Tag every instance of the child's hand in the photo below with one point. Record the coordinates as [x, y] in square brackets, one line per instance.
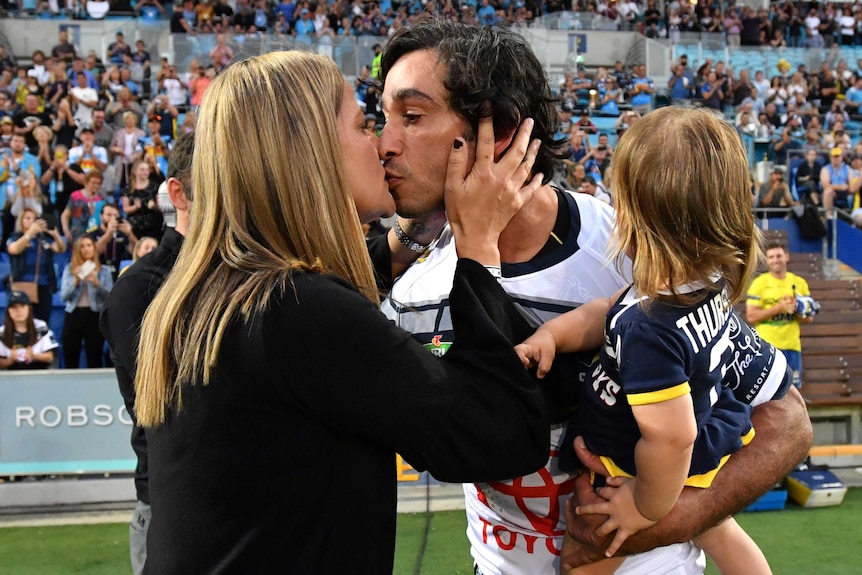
[624, 517]
[538, 350]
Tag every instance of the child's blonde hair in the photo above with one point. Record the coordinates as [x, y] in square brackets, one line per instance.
[683, 200]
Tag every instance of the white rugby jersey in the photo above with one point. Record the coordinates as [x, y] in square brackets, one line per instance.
[45, 339]
[516, 527]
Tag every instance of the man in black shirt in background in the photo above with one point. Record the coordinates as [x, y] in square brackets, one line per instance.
[121, 321]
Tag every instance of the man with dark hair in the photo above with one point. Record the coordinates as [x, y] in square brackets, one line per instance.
[121, 320]
[439, 78]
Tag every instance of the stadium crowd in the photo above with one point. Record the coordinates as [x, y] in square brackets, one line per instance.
[86, 140]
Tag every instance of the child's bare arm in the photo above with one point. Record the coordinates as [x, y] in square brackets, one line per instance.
[578, 330]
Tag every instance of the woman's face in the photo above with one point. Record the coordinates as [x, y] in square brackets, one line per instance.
[19, 312]
[88, 249]
[142, 172]
[362, 168]
[145, 246]
[130, 121]
[27, 219]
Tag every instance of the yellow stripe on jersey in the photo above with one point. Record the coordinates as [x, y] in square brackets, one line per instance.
[660, 395]
[703, 480]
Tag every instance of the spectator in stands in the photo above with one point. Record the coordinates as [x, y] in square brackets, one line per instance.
[139, 200]
[680, 86]
[829, 25]
[26, 342]
[585, 124]
[43, 152]
[103, 133]
[222, 12]
[64, 125]
[771, 307]
[27, 119]
[16, 161]
[115, 239]
[80, 213]
[59, 178]
[742, 87]
[597, 162]
[115, 114]
[125, 147]
[777, 94]
[813, 39]
[712, 94]
[624, 79]
[836, 114]
[808, 177]
[853, 99]
[754, 103]
[57, 86]
[774, 194]
[156, 146]
[564, 119]
[64, 50]
[795, 26]
[175, 89]
[88, 155]
[593, 187]
[84, 100]
[609, 95]
[167, 113]
[84, 289]
[34, 241]
[579, 144]
[782, 144]
[117, 48]
[39, 70]
[836, 184]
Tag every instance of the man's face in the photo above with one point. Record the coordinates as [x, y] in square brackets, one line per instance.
[811, 155]
[419, 133]
[776, 260]
[836, 160]
[32, 104]
[98, 119]
[82, 80]
[109, 214]
[87, 139]
[17, 144]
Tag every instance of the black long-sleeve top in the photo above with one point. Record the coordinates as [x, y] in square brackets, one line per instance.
[285, 462]
[120, 323]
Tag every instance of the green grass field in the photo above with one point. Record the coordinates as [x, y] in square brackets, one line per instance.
[826, 541]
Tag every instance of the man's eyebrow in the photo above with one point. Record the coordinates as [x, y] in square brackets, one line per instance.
[411, 93]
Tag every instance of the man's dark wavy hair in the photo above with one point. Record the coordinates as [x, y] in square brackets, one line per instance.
[490, 70]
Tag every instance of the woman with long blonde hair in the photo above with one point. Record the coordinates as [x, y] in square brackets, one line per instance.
[84, 289]
[265, 368]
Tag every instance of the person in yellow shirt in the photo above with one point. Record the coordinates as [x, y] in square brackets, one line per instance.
[771, 307]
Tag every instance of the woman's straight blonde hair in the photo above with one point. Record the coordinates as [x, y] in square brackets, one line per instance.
[683, 200]
[270, 200]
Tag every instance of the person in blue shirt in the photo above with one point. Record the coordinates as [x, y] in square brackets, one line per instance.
[608, 96]
[642, 89]
[679, 84]
[487, 14]
[853, 98]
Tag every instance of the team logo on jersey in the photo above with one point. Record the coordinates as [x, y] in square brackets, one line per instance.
[437, 346]
[539, 496]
